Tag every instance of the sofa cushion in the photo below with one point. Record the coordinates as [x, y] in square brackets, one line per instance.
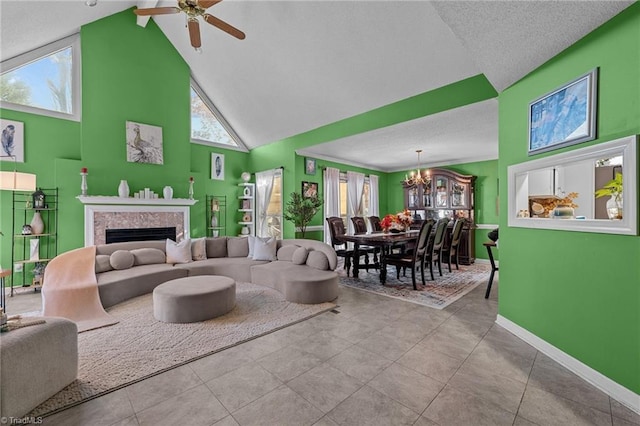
[285, 253]
[147, 256]
[117, 286]
[237, 247]
[198, 249]
[108, 249]
[178, 252]
[300, 255]
[216, 247]
[238, 268]
[264, 250]
[103, 264]
[121, 259]
[318, 260]
[252, 242]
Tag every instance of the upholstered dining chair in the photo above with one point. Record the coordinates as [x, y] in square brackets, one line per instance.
[416, 258]
[451, 251]
[434, 246]
[336, 228]
[360, 227]
[374, 221]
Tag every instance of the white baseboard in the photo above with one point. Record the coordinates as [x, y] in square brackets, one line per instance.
[616, 391]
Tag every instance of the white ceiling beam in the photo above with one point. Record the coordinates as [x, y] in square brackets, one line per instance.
[145, 4]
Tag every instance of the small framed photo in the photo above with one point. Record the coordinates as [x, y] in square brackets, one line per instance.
[309, 189]
[565, 116]
[12, 140]
[217, 166]
[310, 166]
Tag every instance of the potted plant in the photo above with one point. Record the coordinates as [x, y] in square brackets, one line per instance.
[300, 210]
[613, 188]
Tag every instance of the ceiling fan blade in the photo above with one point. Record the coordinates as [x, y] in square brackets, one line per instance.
[224, 26]
[156, 11]
[205, 4]
[194, 32]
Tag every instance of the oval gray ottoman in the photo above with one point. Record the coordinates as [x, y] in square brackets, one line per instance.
[194, 299]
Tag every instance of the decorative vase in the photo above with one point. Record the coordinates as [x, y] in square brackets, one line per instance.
[167, 192]
[214, 220]
[245, 230]
[191, 189]
[246, 176]
[614, 207]
[123, 189]
[563, 211]
[37, 224]
[83, 182]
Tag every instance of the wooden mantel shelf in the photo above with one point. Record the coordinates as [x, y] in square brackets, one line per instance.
[104, 199]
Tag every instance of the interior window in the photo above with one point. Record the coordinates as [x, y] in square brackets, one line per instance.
[208, 127]
[45, 81]
[274, 211]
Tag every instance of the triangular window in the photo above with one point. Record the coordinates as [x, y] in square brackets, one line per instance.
[207, 125]
[44, 81]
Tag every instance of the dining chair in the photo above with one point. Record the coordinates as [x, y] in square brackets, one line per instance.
[374, 221]
[336, 228]
[434, 246]
[360, 227]
[451, 251]
[414, 259]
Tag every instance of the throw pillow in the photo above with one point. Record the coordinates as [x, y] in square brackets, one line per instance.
[217, 247]
[199, 249]
[264, 250]
[121, 259]
[102, 263]
[237, 247]
[318, 260]
[285, 253]
[300, 256]
[178, 252]
[252, 239]
[148, 256]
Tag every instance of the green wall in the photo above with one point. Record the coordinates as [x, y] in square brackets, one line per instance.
[578, 291]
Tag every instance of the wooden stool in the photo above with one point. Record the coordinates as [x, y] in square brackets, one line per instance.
[494, 268]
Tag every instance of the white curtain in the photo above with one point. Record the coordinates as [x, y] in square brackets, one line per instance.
[374, 196]
[331, 198]
[355, 187]
[264, 187]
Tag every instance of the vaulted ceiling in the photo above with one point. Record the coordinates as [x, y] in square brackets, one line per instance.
[306, 64]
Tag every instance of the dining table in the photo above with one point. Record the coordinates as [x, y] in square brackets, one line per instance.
[382, 240]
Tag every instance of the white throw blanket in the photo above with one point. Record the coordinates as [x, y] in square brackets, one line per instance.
[70, 290]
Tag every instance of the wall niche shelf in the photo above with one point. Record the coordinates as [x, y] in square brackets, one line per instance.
[518, 188]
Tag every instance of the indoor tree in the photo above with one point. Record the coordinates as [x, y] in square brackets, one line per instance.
[300, 210]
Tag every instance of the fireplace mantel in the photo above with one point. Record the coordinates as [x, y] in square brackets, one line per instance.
[105, 199]
[105, 212]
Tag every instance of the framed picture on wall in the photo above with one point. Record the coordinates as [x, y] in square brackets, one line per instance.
[310, 166]
[565, 116]
[12, 141]
[144, 143]
[309, 189]
[217, 166]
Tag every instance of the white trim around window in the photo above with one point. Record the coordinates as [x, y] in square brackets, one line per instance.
[72, 41]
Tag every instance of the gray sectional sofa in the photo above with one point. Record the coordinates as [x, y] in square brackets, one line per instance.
[302, 275]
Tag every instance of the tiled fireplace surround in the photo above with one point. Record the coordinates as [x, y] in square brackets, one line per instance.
[100, 217]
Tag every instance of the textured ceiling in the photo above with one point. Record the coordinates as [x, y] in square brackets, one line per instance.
[305, 64]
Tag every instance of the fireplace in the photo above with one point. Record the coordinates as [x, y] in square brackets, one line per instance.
[140, 234]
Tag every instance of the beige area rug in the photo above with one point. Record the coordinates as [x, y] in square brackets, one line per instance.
[139, 346]
[438, 294]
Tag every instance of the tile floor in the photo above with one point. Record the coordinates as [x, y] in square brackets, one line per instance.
[379, 361]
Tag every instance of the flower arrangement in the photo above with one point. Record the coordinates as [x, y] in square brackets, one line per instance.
[399, 221]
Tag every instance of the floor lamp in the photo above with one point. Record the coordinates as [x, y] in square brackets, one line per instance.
[13, 181]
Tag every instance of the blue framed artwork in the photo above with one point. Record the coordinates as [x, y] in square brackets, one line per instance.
[564, 117]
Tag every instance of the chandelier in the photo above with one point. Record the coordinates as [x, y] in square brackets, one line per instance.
[417, 177]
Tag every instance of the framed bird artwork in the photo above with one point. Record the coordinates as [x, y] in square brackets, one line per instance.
[12, 141]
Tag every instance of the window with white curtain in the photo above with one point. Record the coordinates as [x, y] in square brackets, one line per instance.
[364, 204]
[272, 226]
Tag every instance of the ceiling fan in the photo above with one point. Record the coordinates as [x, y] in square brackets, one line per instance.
[193, 9]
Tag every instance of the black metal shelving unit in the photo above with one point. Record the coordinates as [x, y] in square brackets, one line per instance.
[22, 260]
[221, 214]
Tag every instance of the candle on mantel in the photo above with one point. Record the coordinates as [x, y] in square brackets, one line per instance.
[83, 170]
[83, 182]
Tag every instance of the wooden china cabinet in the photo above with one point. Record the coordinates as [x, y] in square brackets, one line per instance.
[445, 194]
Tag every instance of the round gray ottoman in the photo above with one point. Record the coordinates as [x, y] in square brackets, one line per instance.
[193, 299]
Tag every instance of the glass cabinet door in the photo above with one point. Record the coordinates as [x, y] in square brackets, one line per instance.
[413, 197]
[426, 196]
[442, 186]
[458, 195]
